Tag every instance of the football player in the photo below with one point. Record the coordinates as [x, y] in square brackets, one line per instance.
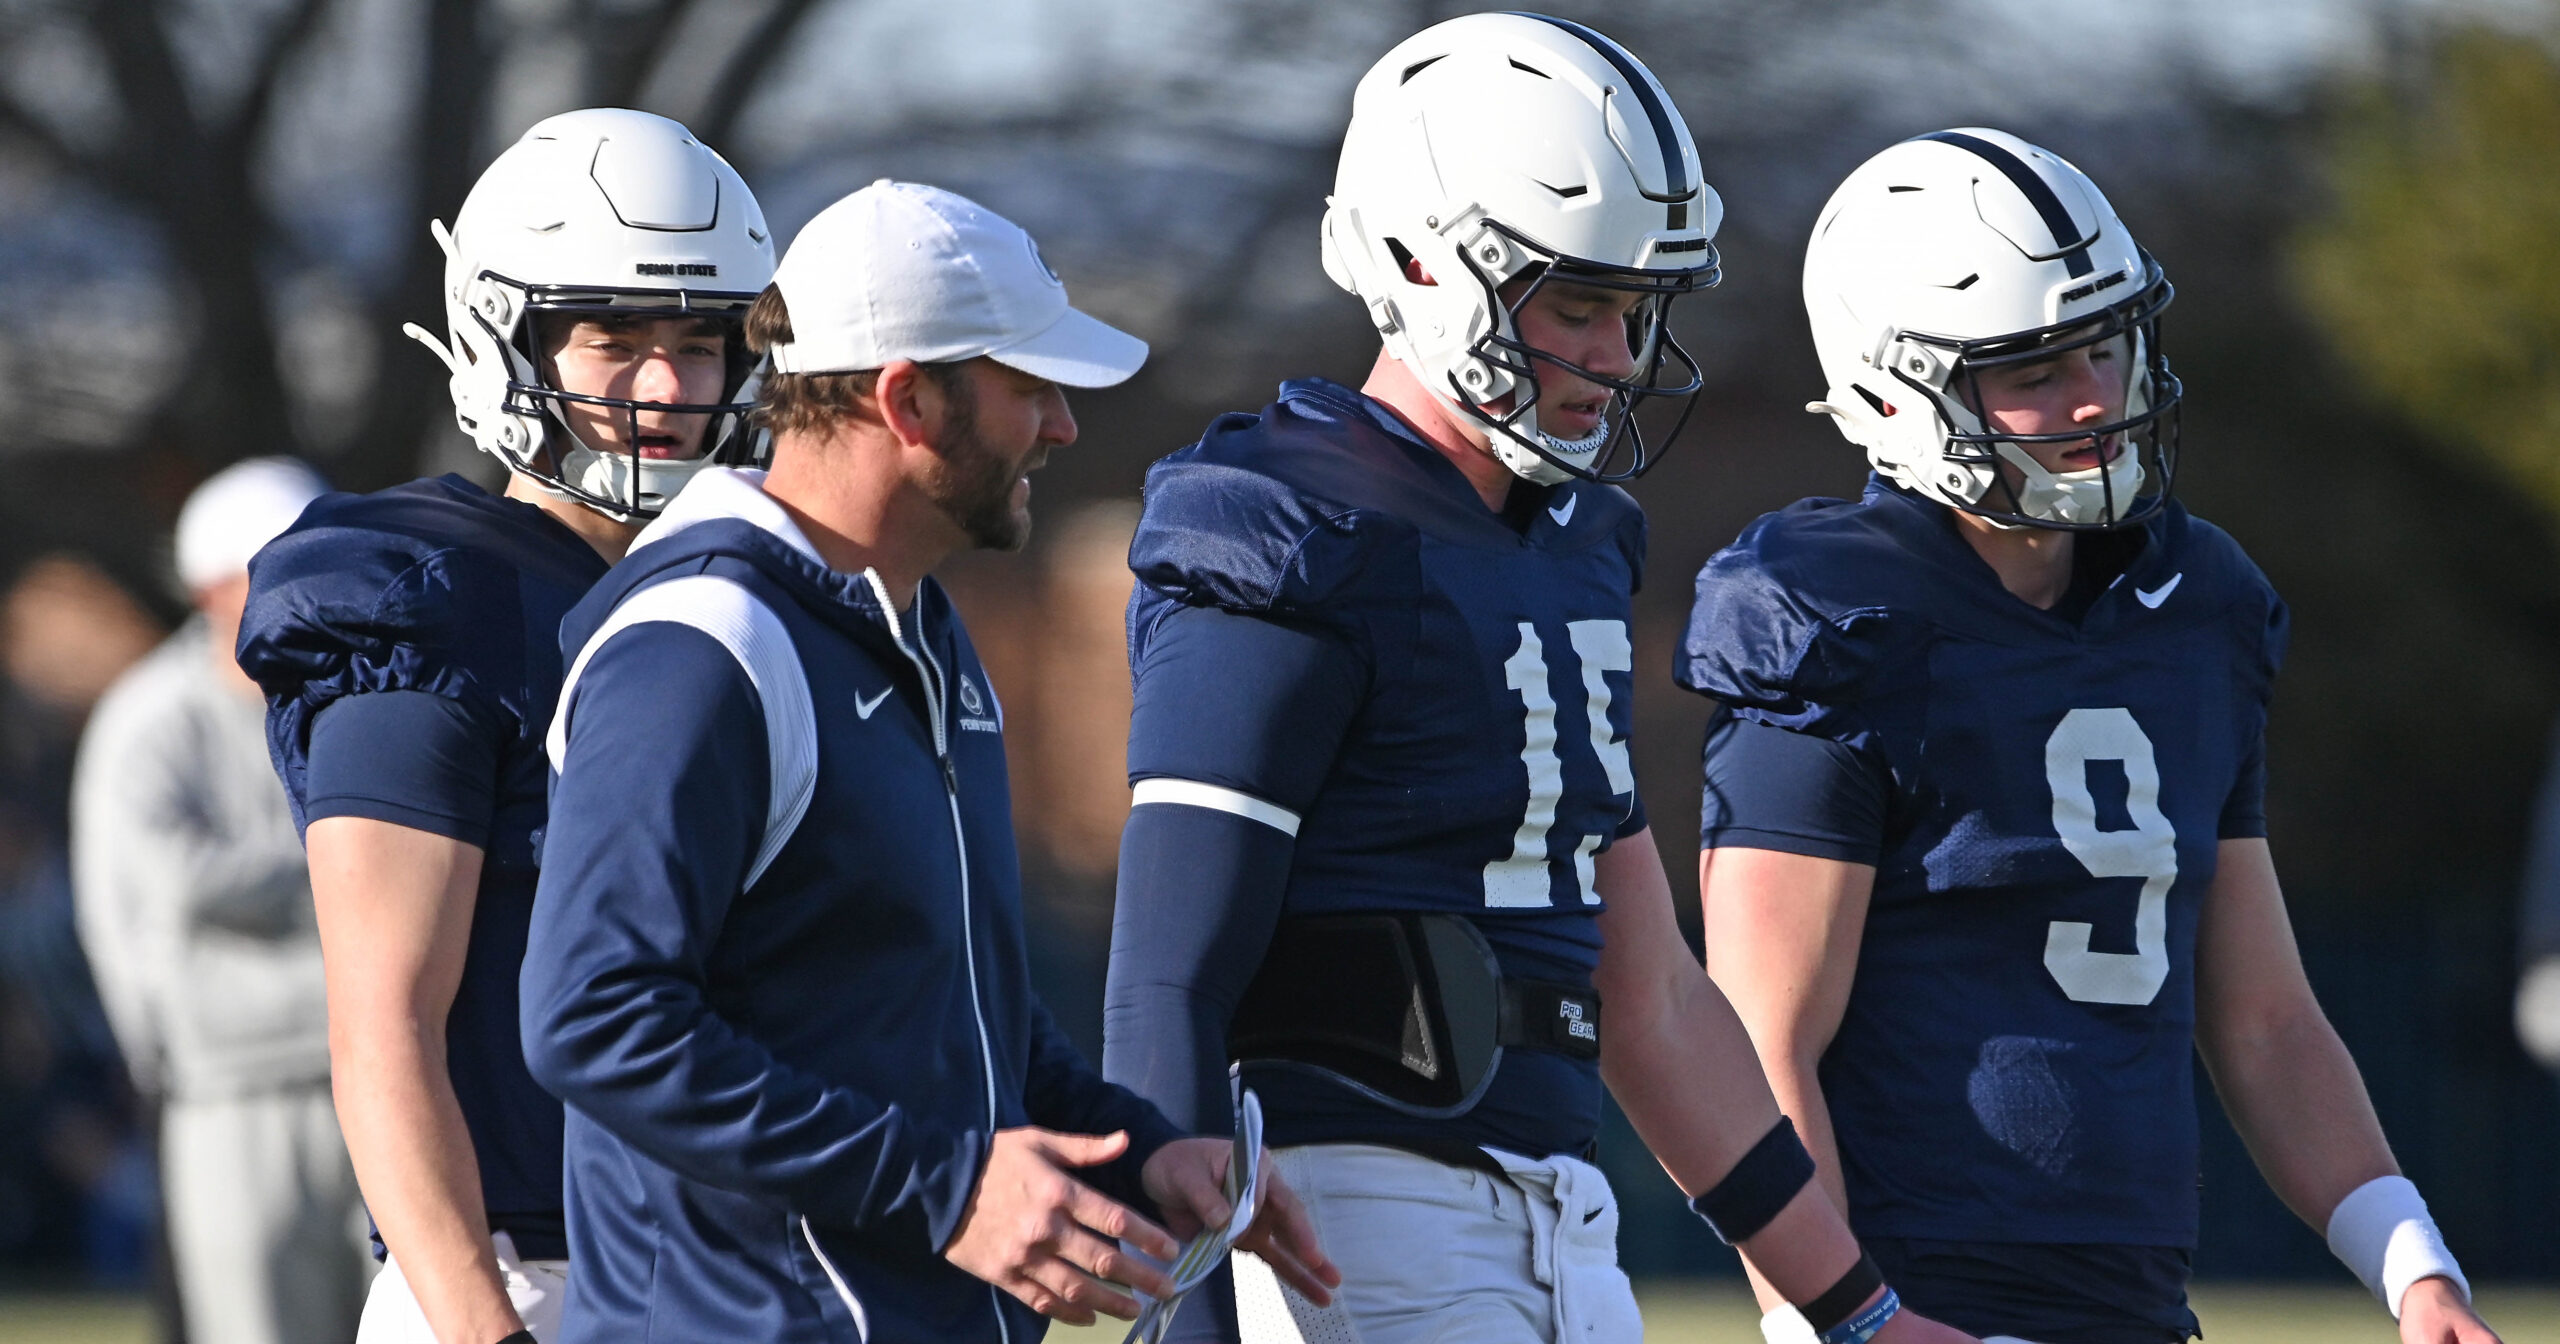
[1985, 856]
[408, 643]
[1386, 850]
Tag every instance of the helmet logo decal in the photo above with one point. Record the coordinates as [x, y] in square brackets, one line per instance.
[2038, 193]
[2078, 292]
[676, 268]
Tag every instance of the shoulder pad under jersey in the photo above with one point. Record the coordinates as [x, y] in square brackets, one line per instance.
[1233, 521]
[1801, 608]
[411, 588]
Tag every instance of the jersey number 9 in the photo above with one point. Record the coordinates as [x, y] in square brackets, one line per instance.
[2149, 851]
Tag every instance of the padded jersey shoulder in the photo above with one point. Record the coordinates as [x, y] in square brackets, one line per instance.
[1231, 522]
[1318, 500]
[420, 587]
[1809, 603]
[2228, 586]
[1817, 602]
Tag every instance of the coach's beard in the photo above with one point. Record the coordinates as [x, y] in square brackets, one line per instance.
[973, 484]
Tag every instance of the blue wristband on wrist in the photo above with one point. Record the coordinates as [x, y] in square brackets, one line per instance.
[1862, 1327]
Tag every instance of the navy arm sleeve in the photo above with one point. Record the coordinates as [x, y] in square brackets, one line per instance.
[1244, 703]
[656, 816]
[1241, 703]
[411, 758]
[1773, 788]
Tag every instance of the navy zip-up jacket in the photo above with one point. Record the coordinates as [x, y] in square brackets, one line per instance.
[777, 968]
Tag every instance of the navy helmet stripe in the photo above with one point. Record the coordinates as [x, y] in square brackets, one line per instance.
[1666, 124]
[2038, 193]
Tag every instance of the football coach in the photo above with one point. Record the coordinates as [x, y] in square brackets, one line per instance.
[776, 969]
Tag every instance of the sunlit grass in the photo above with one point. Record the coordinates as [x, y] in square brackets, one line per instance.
[1715, 1313]
[1712, 1313]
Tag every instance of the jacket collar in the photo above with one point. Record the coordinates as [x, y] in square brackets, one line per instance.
[717, 493]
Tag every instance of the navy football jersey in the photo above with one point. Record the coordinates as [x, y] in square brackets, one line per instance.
[1463, 750]
[437, 591]
[2015, 1061]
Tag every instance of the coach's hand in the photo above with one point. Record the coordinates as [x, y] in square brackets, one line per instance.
[2433, 1311]
[1037, 1232]
[1187, 1180]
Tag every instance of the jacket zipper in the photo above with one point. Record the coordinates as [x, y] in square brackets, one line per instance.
[930, 673]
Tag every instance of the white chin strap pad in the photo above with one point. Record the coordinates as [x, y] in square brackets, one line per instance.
[2075, 496]
[1537, 470]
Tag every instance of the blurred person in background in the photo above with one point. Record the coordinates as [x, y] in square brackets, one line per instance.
[77, 1188]
[1984, 852]
[2538, 934]
[195, 910]
[408, 643]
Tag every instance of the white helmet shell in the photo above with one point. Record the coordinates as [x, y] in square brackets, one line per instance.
[1952, 251]
[1491, 144]
[599, 209]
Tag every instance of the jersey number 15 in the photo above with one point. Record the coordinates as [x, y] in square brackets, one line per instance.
[1520, 879]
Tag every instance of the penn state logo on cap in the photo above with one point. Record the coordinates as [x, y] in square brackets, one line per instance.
[1042, 262]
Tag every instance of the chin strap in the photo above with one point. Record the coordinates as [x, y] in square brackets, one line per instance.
[434, 346]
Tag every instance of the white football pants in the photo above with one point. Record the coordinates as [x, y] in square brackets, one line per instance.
[1432, 1253]
[265, 1231]
[536, 1287]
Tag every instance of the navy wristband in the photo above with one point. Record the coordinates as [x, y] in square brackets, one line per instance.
[1862, 1327]
[1841, 1300]
[1758, 1187]
[520, 1337]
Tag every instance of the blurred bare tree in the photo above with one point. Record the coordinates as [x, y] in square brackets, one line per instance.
[186, 113]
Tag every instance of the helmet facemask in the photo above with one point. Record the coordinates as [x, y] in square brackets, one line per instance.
[621, 483]
[2121, 491]
[1501, 365]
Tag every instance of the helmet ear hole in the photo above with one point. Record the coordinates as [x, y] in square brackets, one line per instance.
[1882, 406]
[1408, 265]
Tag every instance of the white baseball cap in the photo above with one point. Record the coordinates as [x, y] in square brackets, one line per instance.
[899, 270]
[238, 510]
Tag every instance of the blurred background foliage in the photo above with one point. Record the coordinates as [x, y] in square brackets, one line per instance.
[213, 220]
[2438, 265]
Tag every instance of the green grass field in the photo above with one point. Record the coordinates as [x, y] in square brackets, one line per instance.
[1714, 1314]
[2232, 1313]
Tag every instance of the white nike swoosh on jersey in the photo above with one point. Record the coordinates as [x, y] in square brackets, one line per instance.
[2153, 597]
[864, 707]
[1565, 514]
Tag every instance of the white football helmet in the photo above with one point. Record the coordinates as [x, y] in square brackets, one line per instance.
[603, 210]
[1964, 250]
[1500, 146]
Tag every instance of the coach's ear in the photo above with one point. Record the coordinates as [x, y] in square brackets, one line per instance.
[909, 403]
